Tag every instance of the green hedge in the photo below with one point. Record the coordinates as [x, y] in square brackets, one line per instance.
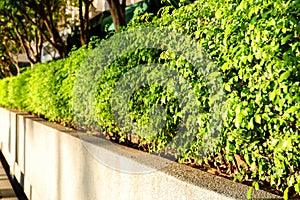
[47, 89]
[256, 47]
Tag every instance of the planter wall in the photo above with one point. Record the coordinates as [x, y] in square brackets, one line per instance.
[52, 162]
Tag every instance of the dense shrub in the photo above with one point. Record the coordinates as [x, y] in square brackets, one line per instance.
[256, 47]
[256, 44]
[47, 89]
[4, 92]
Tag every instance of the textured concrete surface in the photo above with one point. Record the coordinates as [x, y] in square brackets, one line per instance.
[52, 162]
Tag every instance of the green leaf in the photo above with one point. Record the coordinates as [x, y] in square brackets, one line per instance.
[273, 95]
[297, 187]
[219, 14]
[227, 87]
[286, 194]
[257, 119]
[255, 185]
[249, 193]
[292, 109]
[238, 120]
[251, 124]
[285, 39]
[266, 117]
[284, 76]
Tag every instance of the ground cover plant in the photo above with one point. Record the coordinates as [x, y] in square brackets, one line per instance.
[256, 47]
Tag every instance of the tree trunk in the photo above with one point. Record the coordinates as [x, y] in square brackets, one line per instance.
[84, 20]
[82, 38]
[56, 40]
[118, 14]
[44, 11]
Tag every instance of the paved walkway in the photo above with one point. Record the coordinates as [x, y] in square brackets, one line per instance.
[6, 189]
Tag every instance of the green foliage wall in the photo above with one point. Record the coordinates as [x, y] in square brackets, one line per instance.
[256, 47]
[46, 90]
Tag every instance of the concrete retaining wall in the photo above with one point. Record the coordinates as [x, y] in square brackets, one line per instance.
[52, 162]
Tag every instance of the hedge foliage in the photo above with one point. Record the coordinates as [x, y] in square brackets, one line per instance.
[256, 46]
[46, 90]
